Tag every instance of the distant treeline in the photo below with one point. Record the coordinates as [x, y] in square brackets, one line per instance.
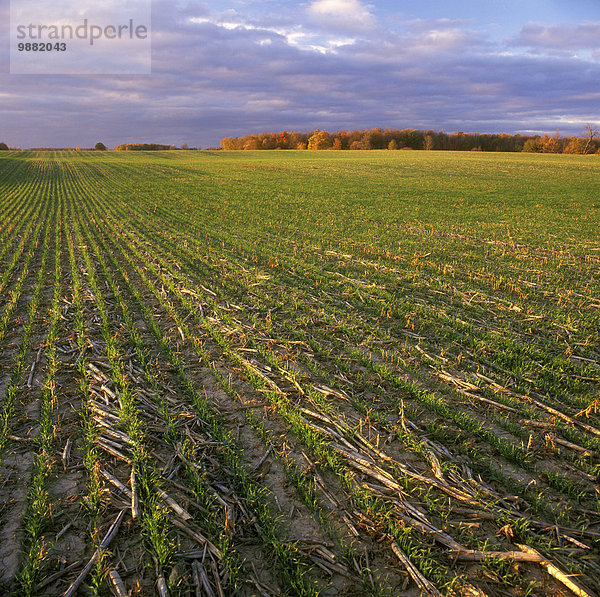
[143, 147]
[4, 146]
[102, 147]
[416, 139]
[587, 143]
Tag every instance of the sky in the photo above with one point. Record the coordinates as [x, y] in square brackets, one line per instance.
[234, 67]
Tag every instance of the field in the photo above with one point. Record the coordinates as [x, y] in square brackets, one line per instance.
[299, 373]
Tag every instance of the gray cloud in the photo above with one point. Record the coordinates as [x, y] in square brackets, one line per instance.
[224, 73]
[564, 36]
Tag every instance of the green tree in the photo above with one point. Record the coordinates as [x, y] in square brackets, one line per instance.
[100, 147]
[532, 145]
[3, 147]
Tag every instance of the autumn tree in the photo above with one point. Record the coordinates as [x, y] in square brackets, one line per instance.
[284, 140]
[319, 140]
[228, 143]
[268, 141]
[551, 144]
[297, 140]
[251, 144]
[413, 139]
[577, 145]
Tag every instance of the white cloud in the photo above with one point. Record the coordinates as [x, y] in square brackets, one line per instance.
[294, 36]
[442, 40]
[350, 16]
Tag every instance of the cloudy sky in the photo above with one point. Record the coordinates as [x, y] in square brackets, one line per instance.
[232, 67]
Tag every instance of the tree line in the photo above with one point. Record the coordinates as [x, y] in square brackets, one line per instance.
[143, 147]
[394, 139]
[102, 147]
[377, 138]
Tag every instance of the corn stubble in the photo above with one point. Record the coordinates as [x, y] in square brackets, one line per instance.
[298, 373]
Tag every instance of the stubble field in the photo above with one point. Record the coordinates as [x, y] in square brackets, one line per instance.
[299, 373]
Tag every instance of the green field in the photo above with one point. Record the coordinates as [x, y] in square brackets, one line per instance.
[299, 373]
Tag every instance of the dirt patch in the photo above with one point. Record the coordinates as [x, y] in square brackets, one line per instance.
[15, 472]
